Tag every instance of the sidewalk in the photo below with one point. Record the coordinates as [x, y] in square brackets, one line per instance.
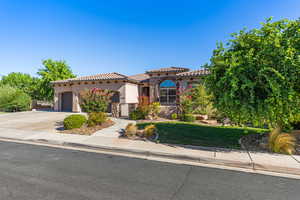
[233, 158]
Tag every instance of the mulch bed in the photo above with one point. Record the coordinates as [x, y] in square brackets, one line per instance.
[259, 142]
[140, 136]
[89, 130]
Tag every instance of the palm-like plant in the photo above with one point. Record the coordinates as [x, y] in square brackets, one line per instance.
[282, 142]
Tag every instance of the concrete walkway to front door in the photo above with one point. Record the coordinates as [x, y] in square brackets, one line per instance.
[114, 131]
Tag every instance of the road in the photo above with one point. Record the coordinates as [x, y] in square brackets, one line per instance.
[30, 172]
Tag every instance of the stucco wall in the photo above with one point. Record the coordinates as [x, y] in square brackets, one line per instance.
[128, 93]
[131, 93]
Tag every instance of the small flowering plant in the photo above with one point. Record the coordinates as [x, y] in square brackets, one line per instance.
[95, 100]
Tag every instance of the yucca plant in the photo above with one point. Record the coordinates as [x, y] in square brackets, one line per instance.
[130, 130]
[282, 142]
[150, 130]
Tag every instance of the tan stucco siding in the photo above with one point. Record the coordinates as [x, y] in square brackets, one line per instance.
[128, 93]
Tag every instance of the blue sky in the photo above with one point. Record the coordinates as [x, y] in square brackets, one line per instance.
[129, 37]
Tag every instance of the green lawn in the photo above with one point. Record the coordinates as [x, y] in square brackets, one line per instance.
[195, 134]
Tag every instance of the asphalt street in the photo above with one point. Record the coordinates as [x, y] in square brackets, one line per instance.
[30, 172]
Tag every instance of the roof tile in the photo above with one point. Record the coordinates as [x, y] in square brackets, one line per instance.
[107, 76]
[169, 69]
[199, 72]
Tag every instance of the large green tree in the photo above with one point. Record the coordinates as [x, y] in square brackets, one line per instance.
[256, 76]
[13, 99]
[52, 71]
[24, 82]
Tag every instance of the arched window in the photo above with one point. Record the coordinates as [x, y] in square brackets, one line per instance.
[167, 91]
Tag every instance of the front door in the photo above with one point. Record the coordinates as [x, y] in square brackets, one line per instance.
[67, 102]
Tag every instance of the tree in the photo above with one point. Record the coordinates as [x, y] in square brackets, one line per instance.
[24, 82]
[53, 71]
[13, 99]
[195, 100]
[95, 100]
[256, 76]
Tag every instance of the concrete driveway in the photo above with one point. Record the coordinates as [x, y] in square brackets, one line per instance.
[41, 121]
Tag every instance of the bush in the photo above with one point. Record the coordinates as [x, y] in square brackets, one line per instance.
[282, 142]
[174, 116]
[130, 130]
[139, 113]
[96, 118]
[150, 130]
[296, 125]
[74, 121]
[154, 109]
[95, 100]
[296, 122]
[13, 100]
[188, 118]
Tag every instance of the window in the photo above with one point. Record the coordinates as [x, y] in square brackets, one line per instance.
[167, 92]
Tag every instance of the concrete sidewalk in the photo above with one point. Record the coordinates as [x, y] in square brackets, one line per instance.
[233, 158]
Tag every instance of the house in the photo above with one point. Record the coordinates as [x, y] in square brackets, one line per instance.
[160, 85]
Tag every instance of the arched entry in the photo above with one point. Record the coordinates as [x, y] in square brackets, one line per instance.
[67, 101]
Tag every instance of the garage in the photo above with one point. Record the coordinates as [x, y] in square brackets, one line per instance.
[67, 92]
[67, 101]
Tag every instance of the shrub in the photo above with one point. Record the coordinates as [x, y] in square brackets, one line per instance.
[296, 123]
[282, 142]
[188, 118]
[154, 109]
[174, 116]
[96, 118]
[139, 113]
[13, 100]
[130, 130]
[150, 130]
[195, 100]
[74, 121]
[95, 100]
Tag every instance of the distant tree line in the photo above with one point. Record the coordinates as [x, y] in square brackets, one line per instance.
[39, 88]
[17, 90]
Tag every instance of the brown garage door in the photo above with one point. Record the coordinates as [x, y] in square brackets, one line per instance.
[67, 101]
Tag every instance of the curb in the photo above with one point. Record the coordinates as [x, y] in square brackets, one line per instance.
[204, 160]
[198, 159]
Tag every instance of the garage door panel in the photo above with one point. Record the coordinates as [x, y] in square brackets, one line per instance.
[67, 102]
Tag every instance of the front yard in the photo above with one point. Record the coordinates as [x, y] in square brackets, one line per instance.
[200, 135]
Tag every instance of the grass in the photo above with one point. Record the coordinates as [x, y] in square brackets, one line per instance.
[199, 135]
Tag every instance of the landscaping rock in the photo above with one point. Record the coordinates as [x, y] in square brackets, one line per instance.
[255, 142]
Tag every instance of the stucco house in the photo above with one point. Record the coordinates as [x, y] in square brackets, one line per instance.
[160, 85]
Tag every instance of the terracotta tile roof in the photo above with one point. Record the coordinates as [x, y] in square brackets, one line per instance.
[199, 72]
[140, 77]
[107, 76]
[169, 69]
